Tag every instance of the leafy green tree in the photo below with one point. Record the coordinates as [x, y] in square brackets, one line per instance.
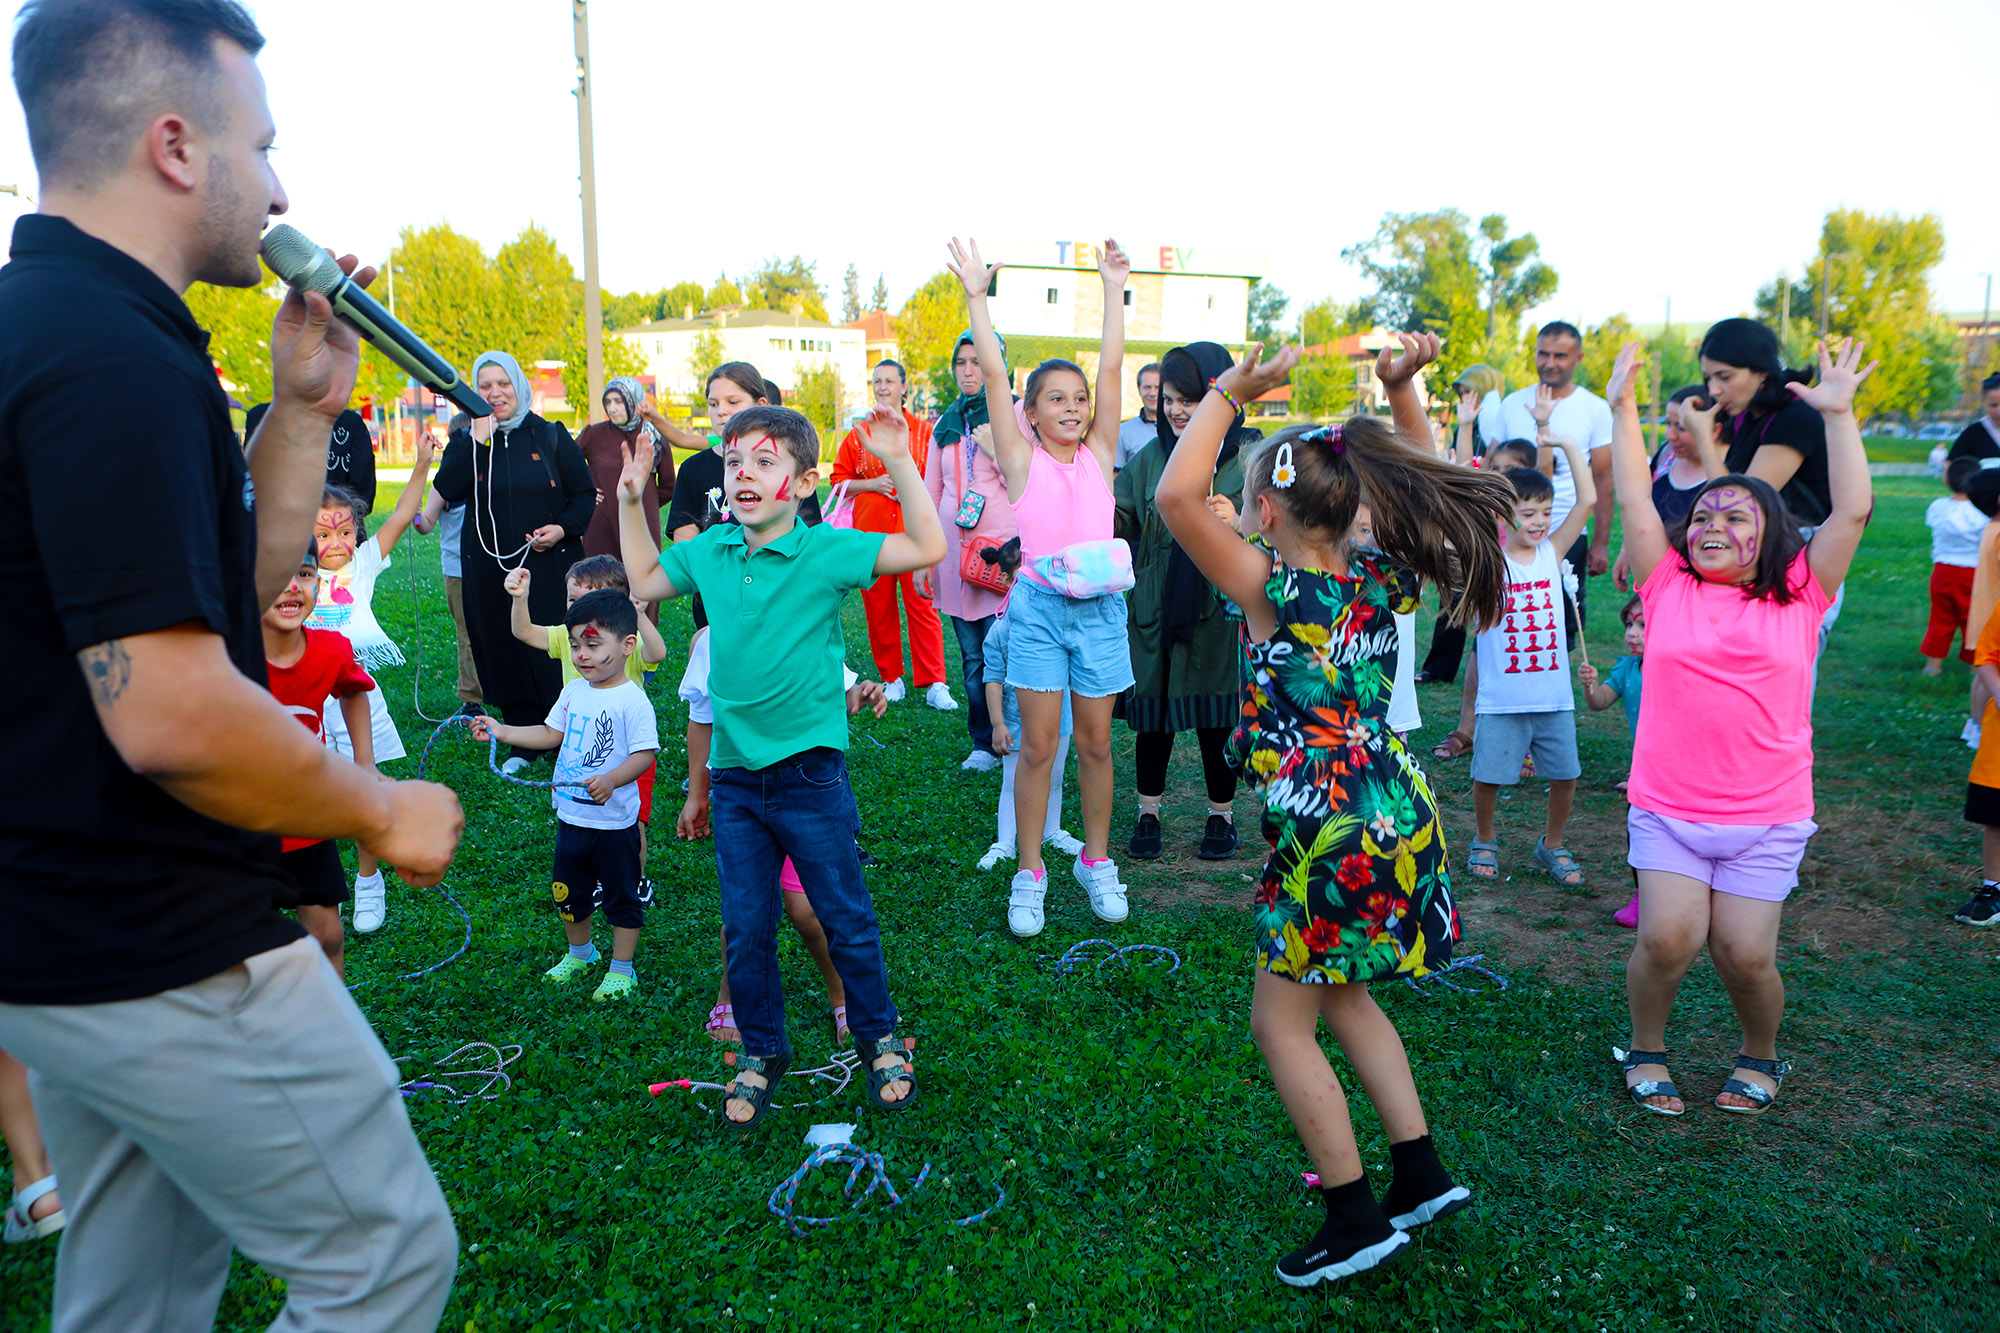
[1327, 319]
[787, 285]
[1323, 388]
[1267, 308]
[926, 331]
[238, 321]
[850, 295]
[449, 291]
[879, 299]
[537, 280]
[1600, 348]
[723, 293]
[704, 357]
[817, 395]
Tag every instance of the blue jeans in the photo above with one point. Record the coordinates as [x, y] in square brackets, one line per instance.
[799, 807]
[972, 657]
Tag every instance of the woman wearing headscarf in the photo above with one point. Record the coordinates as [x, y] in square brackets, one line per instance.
[629, 418]
[1184, 648]
[528, 499]
[971, 500]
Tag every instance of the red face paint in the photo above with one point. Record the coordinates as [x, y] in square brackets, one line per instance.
[590, 634]
[785, 488]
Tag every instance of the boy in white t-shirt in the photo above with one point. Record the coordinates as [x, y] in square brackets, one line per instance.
[608, 736]
[1525, 702]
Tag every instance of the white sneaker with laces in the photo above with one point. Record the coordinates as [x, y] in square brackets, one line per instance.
[1024, 904]
[1107, 895]
[1065, 842]
[998, 852]
[981, 761]
[938, 696]
[371, 904]
[513, 766]
[894, 691]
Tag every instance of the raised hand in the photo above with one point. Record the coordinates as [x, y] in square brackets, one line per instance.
[426, 450]
[884, 433]
[1113, 264]
[1840, 376]
[1622, 390]
[516, 582]
[1253, 377]
[971, 270]
[1468, 403]
[635, 470]
[1543, 407]
[1419, 350]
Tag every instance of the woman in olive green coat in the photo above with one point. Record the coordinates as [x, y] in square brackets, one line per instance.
[1184, 647]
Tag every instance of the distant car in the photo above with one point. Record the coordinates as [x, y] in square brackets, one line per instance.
[1938, 430]
[1889, 430]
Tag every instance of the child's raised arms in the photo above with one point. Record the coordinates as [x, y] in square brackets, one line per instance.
[1114, 266]
[1831, 550]
[411, 502]
[1012, 453]
[1398, 375]
[1631, 475]
[637, 545]
[885, 434]
[1236, 568]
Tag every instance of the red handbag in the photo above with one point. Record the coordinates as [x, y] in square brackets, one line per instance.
[981, 573]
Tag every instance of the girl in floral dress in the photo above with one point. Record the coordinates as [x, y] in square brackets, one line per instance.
[1357, 885]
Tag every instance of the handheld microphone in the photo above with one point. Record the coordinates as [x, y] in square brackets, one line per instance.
[302, 264]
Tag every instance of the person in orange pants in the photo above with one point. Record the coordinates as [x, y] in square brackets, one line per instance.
[876, 510]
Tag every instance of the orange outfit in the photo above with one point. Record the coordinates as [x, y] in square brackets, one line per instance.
[884, 513]
[1986, 764]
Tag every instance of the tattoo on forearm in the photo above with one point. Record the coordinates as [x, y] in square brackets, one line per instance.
[108, 667]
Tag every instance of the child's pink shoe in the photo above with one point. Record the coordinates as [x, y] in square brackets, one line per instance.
[1628, 915]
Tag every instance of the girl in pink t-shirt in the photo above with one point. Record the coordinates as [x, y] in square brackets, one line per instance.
[1721, 811]
[1073, 638]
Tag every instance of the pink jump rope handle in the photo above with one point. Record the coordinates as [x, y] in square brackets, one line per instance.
[658, 1088]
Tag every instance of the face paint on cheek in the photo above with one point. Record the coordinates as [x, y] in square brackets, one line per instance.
[785, 488]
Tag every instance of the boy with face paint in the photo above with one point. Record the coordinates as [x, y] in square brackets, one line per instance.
[604, 725]
[773, 588]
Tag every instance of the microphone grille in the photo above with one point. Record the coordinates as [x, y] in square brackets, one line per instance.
[297, 260]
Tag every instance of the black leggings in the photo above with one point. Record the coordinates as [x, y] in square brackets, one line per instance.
[1156, 747]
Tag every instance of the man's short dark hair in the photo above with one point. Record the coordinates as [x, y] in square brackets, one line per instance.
[1152, 367]
[783, 426]
[1557, 328]
[607, 608]
[91, 74]
[901, 373]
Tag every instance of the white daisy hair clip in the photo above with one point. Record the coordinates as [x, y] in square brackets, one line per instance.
[1283, 473]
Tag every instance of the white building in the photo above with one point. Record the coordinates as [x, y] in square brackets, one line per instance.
[779, 344]
[1176, 294]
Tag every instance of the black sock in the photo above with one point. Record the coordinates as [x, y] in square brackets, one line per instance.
[1353, 1218]
[1417, 1175]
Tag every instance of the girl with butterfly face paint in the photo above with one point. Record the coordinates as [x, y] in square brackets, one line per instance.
[1733, 599]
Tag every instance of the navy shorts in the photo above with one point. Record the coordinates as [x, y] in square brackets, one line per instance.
[316, 871]
[598, 868]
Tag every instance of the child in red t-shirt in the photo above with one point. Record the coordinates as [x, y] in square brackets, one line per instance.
[306, 668]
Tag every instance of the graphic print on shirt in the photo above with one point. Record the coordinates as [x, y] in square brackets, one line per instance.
[335, 607]
[583, 753]
[1531, 627]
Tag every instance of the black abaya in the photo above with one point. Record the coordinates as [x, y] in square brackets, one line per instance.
[518, 482]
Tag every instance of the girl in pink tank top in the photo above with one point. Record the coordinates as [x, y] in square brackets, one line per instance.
[1058, 478]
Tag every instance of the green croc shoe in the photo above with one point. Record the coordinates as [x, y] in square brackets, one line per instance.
[567, 969]
[615, 986]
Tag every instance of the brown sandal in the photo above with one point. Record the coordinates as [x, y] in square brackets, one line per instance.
[1456, 745]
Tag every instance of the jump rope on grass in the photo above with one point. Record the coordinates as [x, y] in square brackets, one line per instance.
[784, 1199]
[439, 1086]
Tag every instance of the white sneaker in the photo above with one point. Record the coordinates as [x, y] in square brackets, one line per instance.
[1970, 735]
[894, 691]
[371, 904]
[1024, 904]
[513, 766]
[1065, 842]
[938, 696]
[998, 852]
[981, 761]
[1107, 895]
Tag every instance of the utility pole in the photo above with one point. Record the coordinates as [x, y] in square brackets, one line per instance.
[1784, 310]
[1659, 370]
[593, 299]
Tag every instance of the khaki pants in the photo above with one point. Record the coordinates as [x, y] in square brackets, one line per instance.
[468, 674]
[255, 1109]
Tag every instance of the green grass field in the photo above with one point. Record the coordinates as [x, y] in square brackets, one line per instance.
[1152, 1179]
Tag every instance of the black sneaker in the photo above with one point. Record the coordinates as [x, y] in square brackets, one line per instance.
[866, 857]
[1328, 1258]
[1145, 842]
[1218, 841]
[1982, 910]
[471, 710]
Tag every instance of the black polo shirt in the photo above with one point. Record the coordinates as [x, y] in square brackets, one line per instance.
[125, 508]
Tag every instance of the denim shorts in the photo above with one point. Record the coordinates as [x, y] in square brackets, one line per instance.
[1056, 643]
[1500, 741]
[1758, 861]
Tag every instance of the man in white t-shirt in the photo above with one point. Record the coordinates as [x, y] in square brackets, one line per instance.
[1141, 430]
[1580, 415]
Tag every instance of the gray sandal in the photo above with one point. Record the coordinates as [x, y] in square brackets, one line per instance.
[1484, 860]
[1559, 863]
[1777, 1069]
[1649, 1087]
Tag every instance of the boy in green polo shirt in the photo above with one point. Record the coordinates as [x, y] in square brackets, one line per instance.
[773, 589]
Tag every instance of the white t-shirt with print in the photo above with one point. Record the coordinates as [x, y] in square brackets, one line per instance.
[601, 729]
[346, 603]
[1582, 416]
[1523, 660]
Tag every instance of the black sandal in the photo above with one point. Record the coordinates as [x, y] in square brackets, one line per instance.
[1776, 1069]
[1649, 1087]
[773, 1070]
[878, 1079]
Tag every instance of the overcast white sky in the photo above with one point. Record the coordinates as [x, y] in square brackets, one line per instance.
[1685, 150]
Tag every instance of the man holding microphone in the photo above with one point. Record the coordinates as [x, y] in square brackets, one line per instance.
[202, 1078]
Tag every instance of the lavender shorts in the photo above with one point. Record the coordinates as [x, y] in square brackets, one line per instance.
[1758, 861]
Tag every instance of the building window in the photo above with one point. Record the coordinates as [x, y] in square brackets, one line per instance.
[1052, 296]
[1211, 303]
[1128, 296]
